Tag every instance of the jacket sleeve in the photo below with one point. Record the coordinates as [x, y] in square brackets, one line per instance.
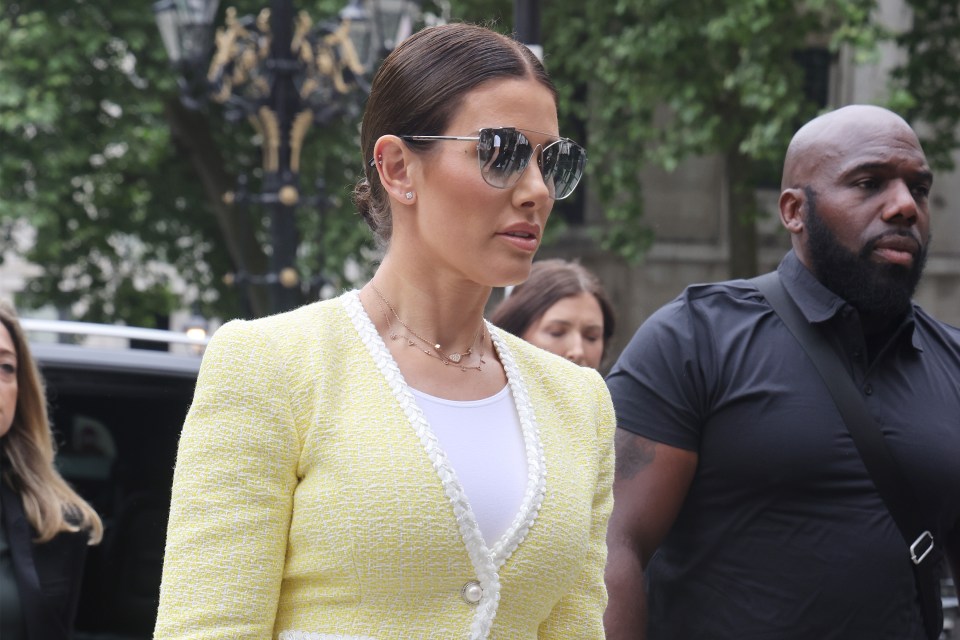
[579, 614]
[232, 494]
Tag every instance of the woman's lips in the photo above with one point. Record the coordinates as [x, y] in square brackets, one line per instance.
[526, 242]
[523, 235]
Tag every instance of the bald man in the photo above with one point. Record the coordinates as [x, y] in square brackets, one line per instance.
[742, 508]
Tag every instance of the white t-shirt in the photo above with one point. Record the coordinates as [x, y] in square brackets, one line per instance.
[483, 441]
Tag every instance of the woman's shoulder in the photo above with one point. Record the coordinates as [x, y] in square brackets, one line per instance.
[315, 335]
[313, 320]
[566, 398]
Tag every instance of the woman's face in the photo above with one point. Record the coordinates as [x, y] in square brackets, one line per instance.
[462, 227]
[572, 328]
[8, 380]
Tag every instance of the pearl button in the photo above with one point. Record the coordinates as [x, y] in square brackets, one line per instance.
[471, 592]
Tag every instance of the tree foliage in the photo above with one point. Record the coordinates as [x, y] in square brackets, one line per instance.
[84, 159]
[928, 79]
[123, 186]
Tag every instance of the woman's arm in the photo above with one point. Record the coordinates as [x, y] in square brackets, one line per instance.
[232, 494]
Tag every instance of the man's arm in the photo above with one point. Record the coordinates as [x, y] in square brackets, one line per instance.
[650, 484]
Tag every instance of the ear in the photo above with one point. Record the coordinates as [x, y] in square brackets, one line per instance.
[394, 162]
[791, 209]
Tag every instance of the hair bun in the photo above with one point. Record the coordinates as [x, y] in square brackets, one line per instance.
[363, 201]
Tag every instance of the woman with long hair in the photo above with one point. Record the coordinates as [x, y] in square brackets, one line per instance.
[45, 526]
[387, 464]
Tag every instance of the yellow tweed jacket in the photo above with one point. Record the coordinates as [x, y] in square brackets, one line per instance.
[311, 500]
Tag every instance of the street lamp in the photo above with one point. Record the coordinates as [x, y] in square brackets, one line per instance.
[186, 27]
[283, 73]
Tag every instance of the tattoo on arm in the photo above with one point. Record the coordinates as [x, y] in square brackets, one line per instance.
[634, 453]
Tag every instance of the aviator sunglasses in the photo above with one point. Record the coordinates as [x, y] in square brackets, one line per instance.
[504, 153]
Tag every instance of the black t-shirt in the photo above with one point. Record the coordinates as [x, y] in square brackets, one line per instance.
[782, 534]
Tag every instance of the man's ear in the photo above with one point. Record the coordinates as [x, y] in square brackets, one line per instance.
[393, 162]
[791, 209]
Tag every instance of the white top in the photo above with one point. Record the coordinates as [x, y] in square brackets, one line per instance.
[484, 443]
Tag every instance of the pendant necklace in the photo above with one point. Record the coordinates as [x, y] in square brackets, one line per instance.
[434, 349]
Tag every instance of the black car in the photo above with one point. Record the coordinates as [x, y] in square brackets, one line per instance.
[117, 415]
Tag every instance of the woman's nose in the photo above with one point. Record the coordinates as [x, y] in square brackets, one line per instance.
[574, 351]
[531, 187]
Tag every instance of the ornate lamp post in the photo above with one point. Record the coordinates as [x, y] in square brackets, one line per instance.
[283, 73]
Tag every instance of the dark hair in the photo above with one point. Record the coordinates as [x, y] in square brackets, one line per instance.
[550, 281]
[420, 86]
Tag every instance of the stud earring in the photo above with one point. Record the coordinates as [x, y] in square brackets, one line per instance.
[408, 195]
[380, 159]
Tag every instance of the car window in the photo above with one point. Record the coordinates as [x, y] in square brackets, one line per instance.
[117, 434]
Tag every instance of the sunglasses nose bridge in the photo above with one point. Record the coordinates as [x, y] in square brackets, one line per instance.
[524, 162]
[531, 158]
[537, 153]
[545, 172]
[544, 179]
[539, 156]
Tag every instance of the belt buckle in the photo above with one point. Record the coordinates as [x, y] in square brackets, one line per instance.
[925, 537]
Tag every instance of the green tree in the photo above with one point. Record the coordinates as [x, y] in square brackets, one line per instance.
[124, 187]
[927, 80]
[85, 158]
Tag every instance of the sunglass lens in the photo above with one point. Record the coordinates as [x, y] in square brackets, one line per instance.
[562, 166]
[503, 154]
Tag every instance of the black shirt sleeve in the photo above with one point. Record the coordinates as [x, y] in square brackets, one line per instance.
[657, 383]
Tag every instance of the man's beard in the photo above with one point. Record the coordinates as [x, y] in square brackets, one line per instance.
[875, 289]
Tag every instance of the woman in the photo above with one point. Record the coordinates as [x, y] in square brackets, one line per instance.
[386, 464]
[45, 526]
[561, 308]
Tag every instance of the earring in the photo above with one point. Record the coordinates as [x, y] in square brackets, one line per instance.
[380, 159]
[408, 195]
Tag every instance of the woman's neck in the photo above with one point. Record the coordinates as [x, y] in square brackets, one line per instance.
[431, 311]
[441, 310]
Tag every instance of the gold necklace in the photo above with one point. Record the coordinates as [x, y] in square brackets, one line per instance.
[436, 351]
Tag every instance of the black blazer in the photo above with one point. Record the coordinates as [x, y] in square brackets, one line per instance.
[48, 575]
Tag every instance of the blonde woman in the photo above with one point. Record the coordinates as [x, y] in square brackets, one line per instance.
[45, 526]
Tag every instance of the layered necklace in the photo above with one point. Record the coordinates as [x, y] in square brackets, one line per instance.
[433, 349]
